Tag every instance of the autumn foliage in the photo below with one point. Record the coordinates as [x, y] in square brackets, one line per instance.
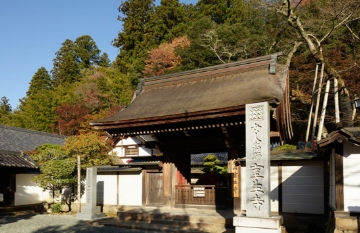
[70, 119]
[164, 57]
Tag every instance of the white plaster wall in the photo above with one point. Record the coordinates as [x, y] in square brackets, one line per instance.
[128, 141]
[243, 188]
[274, 183]
[130, 189]
[332, 195]
[274, 195]
[106, 189]
[143, 151]
[28, 192]
[303, 187]
[351, 166]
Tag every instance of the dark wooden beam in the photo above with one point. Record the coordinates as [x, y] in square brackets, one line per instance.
[339, 177]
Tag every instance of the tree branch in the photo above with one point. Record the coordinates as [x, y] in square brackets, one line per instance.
[291, 53]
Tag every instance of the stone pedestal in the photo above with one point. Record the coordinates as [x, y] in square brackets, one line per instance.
[90, 211]
[258, 224]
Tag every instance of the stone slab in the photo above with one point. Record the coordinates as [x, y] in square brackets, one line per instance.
[257, 230]
[90, 211]
[90, 216]
[258, 160]
[273, 222]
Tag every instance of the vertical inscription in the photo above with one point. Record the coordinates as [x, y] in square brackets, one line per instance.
[235, 181]
[88, 185]
[257, 160]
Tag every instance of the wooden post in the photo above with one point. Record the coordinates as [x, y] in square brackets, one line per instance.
[235, 190]
[339, 177]
[79, 183]
[167, 180]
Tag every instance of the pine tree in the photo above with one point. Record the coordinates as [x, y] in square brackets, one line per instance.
[65, 68]
[86, 52]
[137, 36]
[40, 82]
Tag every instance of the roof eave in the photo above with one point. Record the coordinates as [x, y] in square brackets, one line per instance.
[169, 119]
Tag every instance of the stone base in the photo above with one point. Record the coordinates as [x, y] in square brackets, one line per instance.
[271, 224]
[90, 213]
[346, 222]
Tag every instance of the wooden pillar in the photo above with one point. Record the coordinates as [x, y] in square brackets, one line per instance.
[234, 170]
[182, 162]
[339, 177]
[168, 170]
[280, 187]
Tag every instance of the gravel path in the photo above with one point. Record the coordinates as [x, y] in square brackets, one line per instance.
[43, 223]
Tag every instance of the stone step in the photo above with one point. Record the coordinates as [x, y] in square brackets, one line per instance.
[172, 220]
[180, 219]
[165, 226]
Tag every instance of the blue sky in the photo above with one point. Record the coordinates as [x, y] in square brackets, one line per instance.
[33, 31]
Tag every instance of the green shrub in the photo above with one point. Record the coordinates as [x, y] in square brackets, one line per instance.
[286, 147]
[56, 208]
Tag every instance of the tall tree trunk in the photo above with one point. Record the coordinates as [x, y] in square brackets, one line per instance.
[294, 21]
[79, 183]
[346, 110]
[312, 104]
[317, 102]
[336, 101]
[323, 110]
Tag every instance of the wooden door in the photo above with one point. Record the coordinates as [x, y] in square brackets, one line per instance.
[6, 189]
[155, 188]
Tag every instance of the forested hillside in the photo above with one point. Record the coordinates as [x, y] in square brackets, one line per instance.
[170, 37]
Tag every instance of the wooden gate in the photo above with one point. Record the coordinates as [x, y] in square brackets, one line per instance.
[155, 188]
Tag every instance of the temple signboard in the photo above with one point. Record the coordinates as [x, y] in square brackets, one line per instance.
[131, 151]
[258, 160]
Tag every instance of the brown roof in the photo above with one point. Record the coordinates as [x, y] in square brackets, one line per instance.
[350, 134]
[16, 159]
[206, 93]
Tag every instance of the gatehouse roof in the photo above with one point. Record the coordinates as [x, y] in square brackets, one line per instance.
[206, 93]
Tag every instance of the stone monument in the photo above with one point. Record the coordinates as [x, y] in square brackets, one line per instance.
[90, 211]
[258, 217]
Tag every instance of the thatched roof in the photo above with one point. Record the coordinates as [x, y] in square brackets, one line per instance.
[207, 93]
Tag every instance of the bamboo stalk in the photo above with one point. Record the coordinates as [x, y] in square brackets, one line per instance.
[317, 101]
[336, 101]
[323, 110]
[312, 103]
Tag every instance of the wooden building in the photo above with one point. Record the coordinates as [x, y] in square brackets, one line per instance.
[17, 168]
[202, 111]
[342, 150]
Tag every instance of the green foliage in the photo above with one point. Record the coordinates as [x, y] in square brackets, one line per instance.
[56, 208]
[65, 68]
[286, 147]
[104, 60]
[137, 35]
[213, 172]
[56, 167]
[86, 51]
[91, 147]
[41, 81]
[219, 31]
[35, 113]
[5, 110]
[48, 152]
[74, 56]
